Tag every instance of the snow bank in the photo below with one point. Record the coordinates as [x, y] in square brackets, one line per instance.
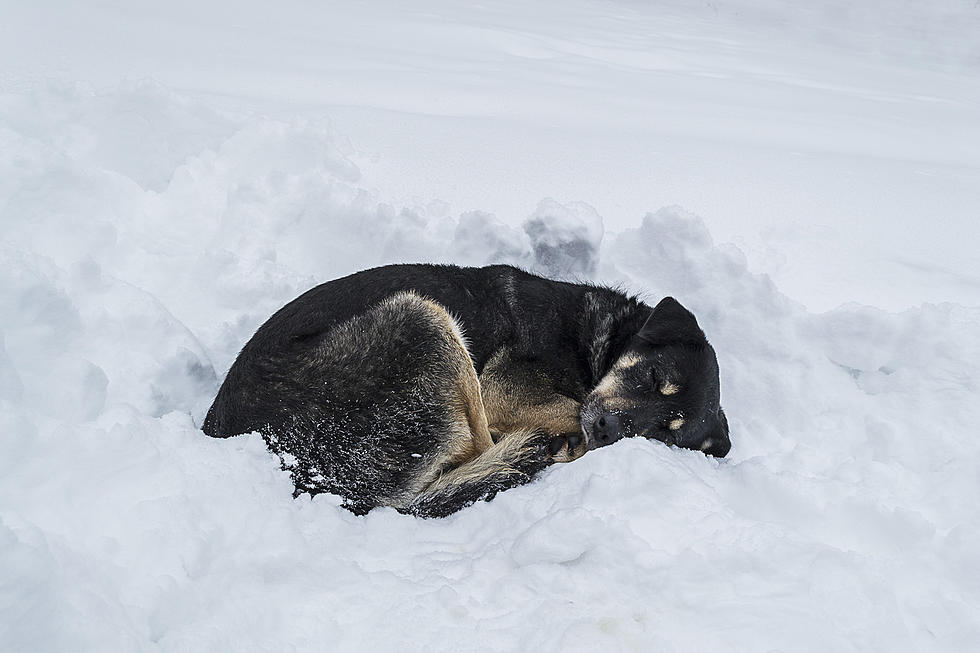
[145, 237]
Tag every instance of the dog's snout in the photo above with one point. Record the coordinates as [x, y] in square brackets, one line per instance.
[606, 429]
[716, 446]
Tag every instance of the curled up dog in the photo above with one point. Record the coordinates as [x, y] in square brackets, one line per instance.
[428, 387]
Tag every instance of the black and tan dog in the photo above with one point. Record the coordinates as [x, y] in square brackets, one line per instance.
[429, 387]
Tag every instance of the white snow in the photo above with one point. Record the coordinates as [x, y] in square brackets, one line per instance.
[806, 179]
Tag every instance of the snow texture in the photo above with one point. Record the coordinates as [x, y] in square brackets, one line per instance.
[148, 231]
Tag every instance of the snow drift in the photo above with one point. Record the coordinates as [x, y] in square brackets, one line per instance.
[146, 236]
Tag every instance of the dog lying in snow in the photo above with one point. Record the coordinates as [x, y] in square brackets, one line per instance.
[429, 387]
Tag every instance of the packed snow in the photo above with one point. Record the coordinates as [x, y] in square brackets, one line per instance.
[806, 180]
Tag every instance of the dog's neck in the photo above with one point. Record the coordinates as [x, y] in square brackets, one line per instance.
[610, 319]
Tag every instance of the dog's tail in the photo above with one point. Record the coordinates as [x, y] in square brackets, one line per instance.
[513, 460]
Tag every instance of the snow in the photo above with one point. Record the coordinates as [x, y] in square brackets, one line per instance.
[805, 179]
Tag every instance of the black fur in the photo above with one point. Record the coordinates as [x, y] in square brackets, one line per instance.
[359, 396]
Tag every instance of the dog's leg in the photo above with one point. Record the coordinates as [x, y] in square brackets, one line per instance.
[386, 410]
[472, 467]
[518, 397]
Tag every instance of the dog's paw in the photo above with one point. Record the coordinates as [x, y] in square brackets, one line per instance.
[566, 447]
[556, 444]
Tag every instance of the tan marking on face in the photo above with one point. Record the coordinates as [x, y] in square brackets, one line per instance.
[669, 388]
[627, 361]
[618, 403]
[611, 383]
[676, 424]
[707, 444]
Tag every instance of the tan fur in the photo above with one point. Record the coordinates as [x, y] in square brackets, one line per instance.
[517, 408]
[676, 424]
[668, 389]
[618, 403]
[492, 461]
[610, 388]
[469, 436]
[610, 384]
[464, 391]
[513, 403]
[468, 397]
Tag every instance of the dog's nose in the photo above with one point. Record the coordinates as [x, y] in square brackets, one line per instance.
[715, 446]
[606, 429]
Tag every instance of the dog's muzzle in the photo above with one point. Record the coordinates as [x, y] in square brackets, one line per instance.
[717, 444]
[606, 429]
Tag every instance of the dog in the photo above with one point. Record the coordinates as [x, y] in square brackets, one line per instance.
[429, 387]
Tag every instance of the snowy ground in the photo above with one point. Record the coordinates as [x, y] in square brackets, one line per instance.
[810, 180]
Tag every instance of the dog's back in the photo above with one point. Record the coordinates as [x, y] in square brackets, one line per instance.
[496, 306]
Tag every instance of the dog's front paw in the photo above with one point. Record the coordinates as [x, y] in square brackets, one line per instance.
[556, 444]
[566, 447]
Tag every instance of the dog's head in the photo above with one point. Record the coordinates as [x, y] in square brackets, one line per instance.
[664, 386]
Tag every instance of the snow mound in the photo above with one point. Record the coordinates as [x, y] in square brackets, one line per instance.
[146, 236]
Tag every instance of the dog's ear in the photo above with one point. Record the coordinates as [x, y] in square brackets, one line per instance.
[671, 323]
